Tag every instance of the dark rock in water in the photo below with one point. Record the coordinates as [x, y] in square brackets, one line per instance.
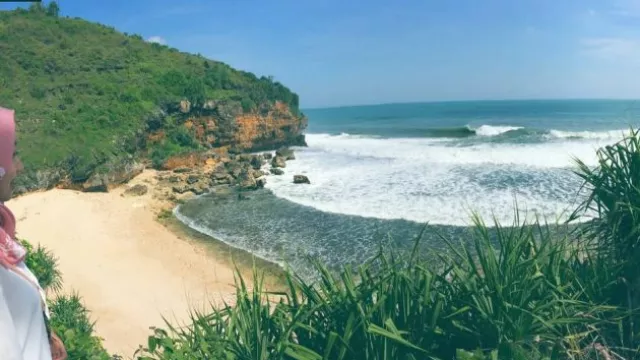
[267, 156]
[182, 170]
[277, 171]
[137, 190]
[192, 179]
[301, 179]
[278, 162]
[246, 181]
[257, 161]
[286, 153]
[260, 183]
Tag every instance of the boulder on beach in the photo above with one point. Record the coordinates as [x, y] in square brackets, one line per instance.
[301, 179]
[276, 171]
[279, 162]
[180, 188]
[260, 183]
[244, 158]
[193, 178]
[234, 168]
[267, 156]
[199, 188]
[182, 170]
[286, 153]
[257, 173]
[137, 190]
[219, 173]
[246, 181]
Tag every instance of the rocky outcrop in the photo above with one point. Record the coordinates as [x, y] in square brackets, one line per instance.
[242, 172]
[111, 176]
[276, 171]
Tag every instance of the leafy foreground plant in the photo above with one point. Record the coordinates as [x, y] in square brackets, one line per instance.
[614, 235]
[526, 301]
[70, 320]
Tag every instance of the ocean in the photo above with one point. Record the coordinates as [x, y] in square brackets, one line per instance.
[380, 173]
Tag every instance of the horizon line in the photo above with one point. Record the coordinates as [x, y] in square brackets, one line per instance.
[463, 101]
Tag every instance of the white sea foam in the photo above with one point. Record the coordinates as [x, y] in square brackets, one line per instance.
[489, 130]
[603, 135]
[435, 181]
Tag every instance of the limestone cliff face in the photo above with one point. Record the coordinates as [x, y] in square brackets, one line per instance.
[277, 127]
[224, 124]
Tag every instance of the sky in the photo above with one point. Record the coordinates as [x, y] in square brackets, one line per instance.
[350, 52]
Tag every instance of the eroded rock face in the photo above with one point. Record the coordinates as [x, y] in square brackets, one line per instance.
[223, 123]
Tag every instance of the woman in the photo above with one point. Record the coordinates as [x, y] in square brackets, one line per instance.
[23, 310]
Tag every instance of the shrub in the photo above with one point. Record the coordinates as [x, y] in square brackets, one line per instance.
[70, 320]
[44, 266]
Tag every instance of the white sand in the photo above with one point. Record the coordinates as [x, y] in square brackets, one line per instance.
[129, 269]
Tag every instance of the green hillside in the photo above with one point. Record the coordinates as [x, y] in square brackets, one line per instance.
[84, 92]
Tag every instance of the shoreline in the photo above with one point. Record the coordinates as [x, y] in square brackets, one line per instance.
[133, 266]
[231, 255]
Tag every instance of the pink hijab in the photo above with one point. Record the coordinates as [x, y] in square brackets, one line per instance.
[11, 252]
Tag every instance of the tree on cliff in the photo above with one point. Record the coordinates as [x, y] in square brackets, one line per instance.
[53, 9]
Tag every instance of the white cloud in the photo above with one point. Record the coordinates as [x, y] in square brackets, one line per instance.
[611, 47]
[158, 40]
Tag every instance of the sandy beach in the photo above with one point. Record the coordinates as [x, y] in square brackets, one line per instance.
[130, 269]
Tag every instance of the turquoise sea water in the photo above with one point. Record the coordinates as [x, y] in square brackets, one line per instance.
[378, 173]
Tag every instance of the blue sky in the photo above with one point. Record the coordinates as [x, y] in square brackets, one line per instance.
[365, 52]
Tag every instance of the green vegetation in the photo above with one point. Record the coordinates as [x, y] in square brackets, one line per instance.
[87, 95]
[69, 317]
[518, 292]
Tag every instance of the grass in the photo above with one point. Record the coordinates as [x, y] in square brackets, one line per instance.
[516, 292]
